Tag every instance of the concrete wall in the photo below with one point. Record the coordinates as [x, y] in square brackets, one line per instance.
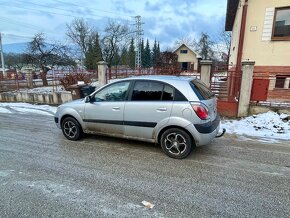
[55, 98]
[258, 46]
[255, 109]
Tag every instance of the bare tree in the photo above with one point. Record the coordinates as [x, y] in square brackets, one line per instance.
[79, 33]
[187, 40]
[41, 54]
[224, 43]
[116, 37]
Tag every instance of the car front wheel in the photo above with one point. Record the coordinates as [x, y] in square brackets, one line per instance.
[71, 129]
[176, 143]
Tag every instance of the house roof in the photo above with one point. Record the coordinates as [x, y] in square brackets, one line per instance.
[189, 47]
[231, 14]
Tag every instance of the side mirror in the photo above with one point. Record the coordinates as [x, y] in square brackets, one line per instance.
[88, 99]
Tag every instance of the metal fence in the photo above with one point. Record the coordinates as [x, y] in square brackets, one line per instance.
[16, 81]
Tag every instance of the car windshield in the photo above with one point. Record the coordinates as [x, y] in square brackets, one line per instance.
[201, 90]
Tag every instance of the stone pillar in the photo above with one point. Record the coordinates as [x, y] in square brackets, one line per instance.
[29, 78]
[205, 71]
[246, 88]
[102, 70]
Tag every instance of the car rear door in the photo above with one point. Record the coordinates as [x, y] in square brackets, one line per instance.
[150, 104]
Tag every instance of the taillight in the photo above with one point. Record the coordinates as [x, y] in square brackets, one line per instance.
[200, 111]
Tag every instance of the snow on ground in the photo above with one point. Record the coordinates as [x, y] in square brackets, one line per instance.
[27, 108]
[267, 127]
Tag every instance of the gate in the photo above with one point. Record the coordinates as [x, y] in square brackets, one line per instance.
[226, 84]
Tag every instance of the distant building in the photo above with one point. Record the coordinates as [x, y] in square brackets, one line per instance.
[187, 58]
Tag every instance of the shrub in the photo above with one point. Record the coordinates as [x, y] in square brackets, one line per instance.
[71, 79]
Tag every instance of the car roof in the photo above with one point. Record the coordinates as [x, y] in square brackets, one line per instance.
[163, 78]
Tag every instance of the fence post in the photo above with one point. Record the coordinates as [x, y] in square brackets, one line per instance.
[205, 71]
[29, 78]
[246, 87]
[102, 69]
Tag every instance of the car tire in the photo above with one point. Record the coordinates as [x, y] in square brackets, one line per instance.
[71, 129]
[176, 143]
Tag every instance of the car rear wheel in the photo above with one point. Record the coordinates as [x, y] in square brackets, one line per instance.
[71, 129]
[176, 143]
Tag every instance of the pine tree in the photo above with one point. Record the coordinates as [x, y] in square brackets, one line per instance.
[116, 58]
[131, 54]
[94, 52]
[142, 53]
[147, 55]
[97, 49]
[90, 62]
[155, 53]
[124, 56]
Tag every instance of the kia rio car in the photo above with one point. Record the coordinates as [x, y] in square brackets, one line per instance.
[179, 113]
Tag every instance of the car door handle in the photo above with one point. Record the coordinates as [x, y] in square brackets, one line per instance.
[115, 108]
[162, 109]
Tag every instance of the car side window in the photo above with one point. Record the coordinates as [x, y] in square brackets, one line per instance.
[114, 92]
[147, 91]
[168, 93]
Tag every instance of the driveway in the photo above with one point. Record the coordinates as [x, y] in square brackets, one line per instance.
[44, 175]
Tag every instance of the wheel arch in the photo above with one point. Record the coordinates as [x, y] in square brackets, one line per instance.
[177, 127]
[68, 115]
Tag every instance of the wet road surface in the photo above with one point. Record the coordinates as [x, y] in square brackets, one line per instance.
[44, 175]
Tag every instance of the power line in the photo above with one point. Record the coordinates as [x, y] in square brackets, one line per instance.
[77, 6]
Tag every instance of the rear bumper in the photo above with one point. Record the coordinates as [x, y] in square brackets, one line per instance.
[203, 134]
[208, 127]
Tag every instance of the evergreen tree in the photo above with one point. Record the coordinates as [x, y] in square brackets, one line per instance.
[90, 62]
[147, 55]
[142, 53]
[93, 53]
[97, 49]
[116, 58]
[124, 56]
[155, 53]
[131, 54]
[204, 47]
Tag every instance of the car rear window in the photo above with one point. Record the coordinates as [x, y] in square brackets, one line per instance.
[202, 92]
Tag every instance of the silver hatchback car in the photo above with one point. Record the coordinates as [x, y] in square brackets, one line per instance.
[177, 112]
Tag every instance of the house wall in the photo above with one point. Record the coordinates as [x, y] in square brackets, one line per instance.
[236, 35]
[189, 57]
[271, 57]
[258, 46]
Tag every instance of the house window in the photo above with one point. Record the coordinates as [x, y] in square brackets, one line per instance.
[281, 26]
[281, 80]
[183, 51]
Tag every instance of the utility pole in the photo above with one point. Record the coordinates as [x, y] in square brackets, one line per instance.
[2, 58]
[138, 42]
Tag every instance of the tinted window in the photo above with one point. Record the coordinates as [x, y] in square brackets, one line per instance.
[282, 23]
[167, 93]
[147, 91]
[115, 92]
[202, 92]
[179, 96]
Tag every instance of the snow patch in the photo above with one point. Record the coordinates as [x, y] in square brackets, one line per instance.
[27, 108]
[269, 125]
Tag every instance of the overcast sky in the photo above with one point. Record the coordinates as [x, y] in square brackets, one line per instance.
[165, 20]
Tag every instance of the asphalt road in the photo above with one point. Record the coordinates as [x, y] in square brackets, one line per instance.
[44, 175]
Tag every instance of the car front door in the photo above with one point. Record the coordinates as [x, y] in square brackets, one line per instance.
[150, 105]
[104, 114]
